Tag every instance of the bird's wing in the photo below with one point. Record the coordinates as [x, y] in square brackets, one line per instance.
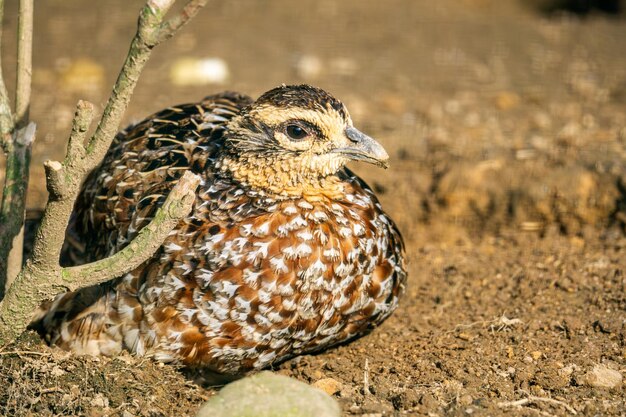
[143, 164]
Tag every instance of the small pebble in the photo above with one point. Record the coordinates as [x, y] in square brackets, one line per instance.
[270, 395]
[465, 336]
[99, 401]
[602, 377]
[329, 385]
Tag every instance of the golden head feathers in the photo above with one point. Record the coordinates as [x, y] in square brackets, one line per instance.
[292, 139]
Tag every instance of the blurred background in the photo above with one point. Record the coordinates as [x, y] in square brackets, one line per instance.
[457, 90]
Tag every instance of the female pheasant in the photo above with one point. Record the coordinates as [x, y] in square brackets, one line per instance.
[285, 251]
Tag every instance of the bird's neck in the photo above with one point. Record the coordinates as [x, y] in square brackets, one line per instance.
[280, 178]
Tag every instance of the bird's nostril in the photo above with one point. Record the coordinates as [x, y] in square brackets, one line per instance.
[353, 134]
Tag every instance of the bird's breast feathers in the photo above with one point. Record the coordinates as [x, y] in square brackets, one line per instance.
[279, 275]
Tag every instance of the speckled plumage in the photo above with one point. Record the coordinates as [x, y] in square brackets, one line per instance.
[268, 265]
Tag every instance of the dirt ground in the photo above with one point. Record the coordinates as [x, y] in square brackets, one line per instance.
[506, 123]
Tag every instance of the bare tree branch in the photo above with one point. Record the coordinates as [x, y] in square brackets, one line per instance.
[18, 138]
[24, 62]
[177, 205]
[43, 277]
[56, 178]
[169, 28]
[24, 295]
[80, 125]
[6, 116]
[13, 208]
[145, 40]
[50, 236]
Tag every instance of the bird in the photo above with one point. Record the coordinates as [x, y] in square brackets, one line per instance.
[285, 252]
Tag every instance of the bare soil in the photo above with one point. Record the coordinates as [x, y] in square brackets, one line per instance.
[507, 130]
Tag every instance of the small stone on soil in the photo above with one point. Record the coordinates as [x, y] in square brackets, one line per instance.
[329, 385]
[270, 395]
[603, 377]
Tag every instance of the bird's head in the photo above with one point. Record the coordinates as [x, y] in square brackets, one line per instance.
[293, 139]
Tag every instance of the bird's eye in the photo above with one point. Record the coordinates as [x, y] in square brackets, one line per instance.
[296, 132]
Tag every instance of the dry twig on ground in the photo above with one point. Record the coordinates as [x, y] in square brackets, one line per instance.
[534, 399]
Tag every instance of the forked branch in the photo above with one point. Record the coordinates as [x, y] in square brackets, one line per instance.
[43, 277]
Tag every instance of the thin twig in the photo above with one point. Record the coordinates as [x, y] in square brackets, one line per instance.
[51, 390]
[149, 35]
[523, 403]
[6, 116]
[533, 399]
[57, 182]
[80, 125]
[23, 352]
[366, 378]
[24, 62]
[169, 28]
[498, 324]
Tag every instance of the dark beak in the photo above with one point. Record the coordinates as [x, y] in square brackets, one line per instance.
[364, 148]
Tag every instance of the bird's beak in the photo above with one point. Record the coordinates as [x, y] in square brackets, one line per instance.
[364, 148]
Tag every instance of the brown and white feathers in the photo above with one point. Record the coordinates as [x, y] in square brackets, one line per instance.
[285, 251]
